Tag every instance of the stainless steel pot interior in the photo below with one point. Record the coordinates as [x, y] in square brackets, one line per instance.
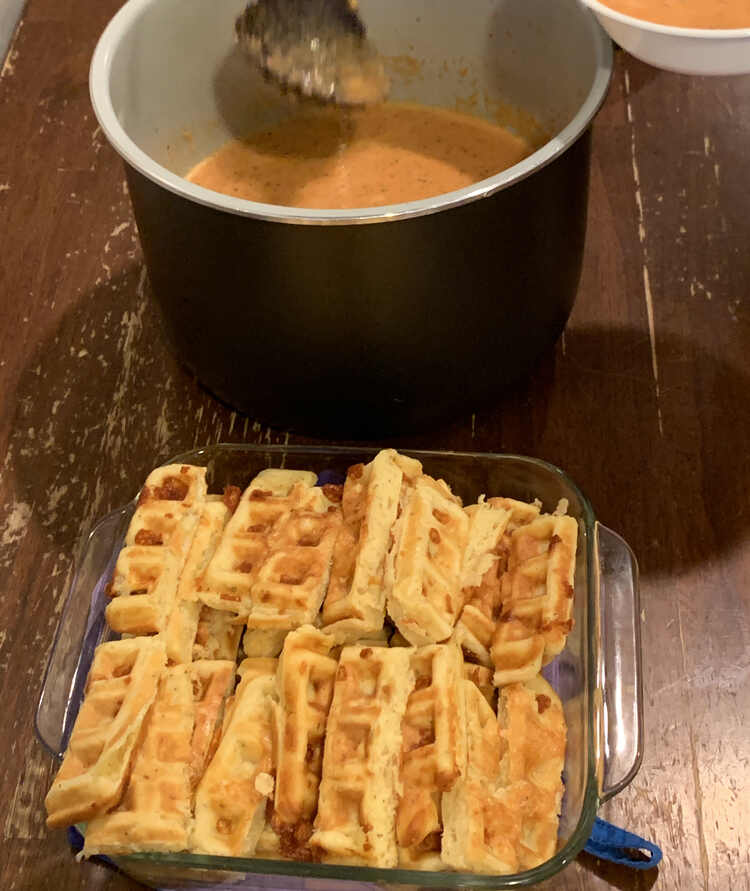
[168, 85]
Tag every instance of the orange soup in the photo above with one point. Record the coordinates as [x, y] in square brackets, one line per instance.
[368, 157]
[687, 13]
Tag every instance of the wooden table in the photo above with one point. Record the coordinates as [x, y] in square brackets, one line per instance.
[646, 402]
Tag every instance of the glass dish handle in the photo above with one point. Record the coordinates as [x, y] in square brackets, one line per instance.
[80, 629]
[620, 673]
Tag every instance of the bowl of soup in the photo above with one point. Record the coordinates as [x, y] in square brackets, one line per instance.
[369, 270]
[703, 37]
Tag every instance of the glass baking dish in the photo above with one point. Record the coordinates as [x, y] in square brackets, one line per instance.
[598, 675]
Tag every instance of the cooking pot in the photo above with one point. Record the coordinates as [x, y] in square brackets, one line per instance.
[373, 320]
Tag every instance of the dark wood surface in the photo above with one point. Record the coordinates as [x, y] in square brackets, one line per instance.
[646, 402]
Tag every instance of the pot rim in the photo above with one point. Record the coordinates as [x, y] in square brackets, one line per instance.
[99, 81]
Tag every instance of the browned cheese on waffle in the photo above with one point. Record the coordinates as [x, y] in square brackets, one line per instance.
[424, 565]
[482, 569]
[358, 796]
[480, 829]
[230, 801]
[537, 594]
[168, 509]
[120, 689]
[305, 684]
[154, 814]
[194, 630]
[291, 584]
[233, 568]
[532, 725]
[433, 753]
[354, 607]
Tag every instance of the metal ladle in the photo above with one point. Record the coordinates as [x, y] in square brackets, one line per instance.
[318, 48]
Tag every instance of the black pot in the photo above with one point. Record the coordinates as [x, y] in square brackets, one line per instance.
[375, 320]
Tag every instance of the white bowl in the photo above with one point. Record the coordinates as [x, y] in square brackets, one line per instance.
[684, 50]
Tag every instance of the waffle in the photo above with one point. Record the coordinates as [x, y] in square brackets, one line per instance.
[481, 572]
[305, 682]
[291, 583]
[120, 689]
[532, 725]
[168, 508]
[480, 829]
[354, 607]
[230, 800]
[537, 592]
[143, 590]
[193, 630]
[424, 564]
[154, 813]
[358, 796]
[231, 572]
[433, 753]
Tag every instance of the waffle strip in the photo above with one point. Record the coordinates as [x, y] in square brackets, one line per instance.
[358, 793]
[532, 726]
[481, 572]
[354, 607]
[120, 689]
[424, 564]
[154, 813]
[168, 508]
[146, 576]
[291, 583]
[232, 570]
[480, 830]
[305, 682]
[433, 753]
[193, 630]
[230, 800]
[537, 594]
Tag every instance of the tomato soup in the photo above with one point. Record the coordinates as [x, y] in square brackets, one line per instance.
[368, 157]
[687, 13]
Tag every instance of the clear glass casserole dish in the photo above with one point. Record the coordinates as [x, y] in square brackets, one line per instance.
[598, 675]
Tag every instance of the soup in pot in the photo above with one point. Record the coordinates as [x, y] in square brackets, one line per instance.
[365, 157]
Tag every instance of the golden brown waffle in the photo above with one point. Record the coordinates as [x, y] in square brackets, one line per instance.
[480, 830]
[354, 607]
[359, 789]
[230, 801]
[120, 689]
[144, 590]
[243, 549]
[168, 508]
[424, 565]
[537, 592]
[482, 570]
[433, 753]
[154, 814]
[291, 583]
[532, 725]
[305, 683]
[194, 630]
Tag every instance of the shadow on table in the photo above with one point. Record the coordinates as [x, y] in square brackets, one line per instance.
[671, 475]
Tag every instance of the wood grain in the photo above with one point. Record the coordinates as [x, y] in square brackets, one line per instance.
[644, 402]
